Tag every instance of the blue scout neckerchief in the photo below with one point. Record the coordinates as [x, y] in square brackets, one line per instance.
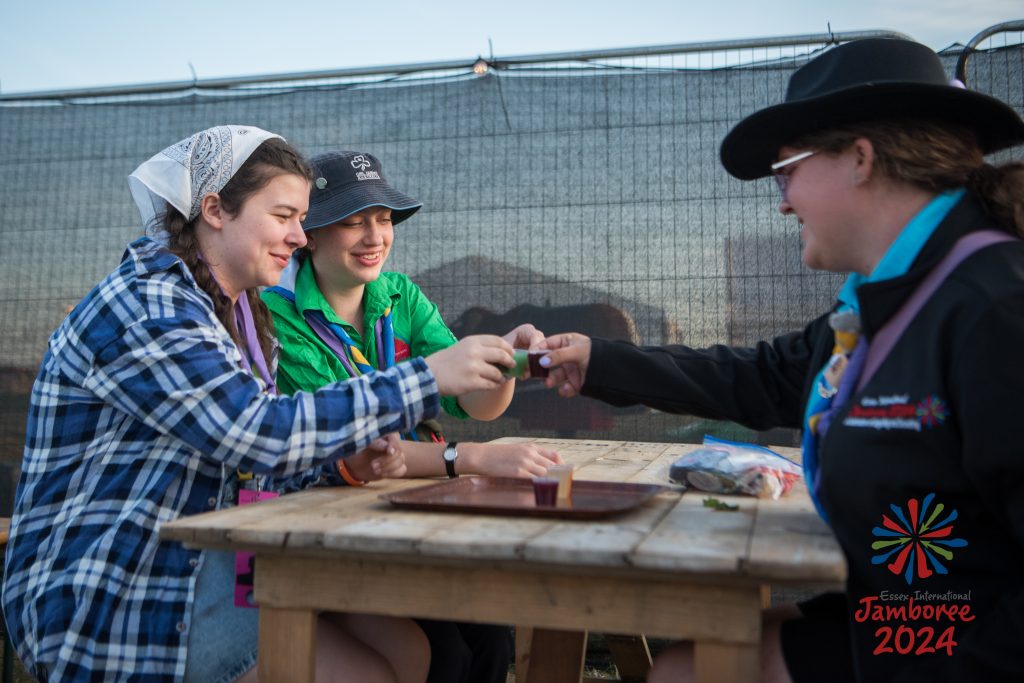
[345, 348]
[835, 381]
[353, 359]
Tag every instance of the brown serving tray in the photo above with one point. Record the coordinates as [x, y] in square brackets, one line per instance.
[514, 496]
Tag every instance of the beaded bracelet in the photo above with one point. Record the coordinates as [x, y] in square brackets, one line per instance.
[348, 476]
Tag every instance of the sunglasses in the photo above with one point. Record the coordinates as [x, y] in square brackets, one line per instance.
[782, 170]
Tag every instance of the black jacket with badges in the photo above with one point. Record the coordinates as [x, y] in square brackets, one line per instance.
[922, 472]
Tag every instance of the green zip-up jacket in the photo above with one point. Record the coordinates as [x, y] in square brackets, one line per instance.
[306, 363]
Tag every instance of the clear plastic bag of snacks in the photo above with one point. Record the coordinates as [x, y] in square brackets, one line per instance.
[731, 467]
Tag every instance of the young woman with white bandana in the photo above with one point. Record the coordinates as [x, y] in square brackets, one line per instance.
[156, 397]
[907, 392]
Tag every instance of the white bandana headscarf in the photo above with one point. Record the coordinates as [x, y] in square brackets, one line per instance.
[187, 171]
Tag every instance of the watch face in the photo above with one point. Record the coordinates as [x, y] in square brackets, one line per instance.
[449, 455]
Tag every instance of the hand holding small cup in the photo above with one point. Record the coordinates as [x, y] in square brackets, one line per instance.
[567, 362]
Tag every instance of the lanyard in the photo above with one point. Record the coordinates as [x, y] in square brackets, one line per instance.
[253, 352]
[344, 347]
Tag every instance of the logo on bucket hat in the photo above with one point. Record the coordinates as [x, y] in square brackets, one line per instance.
[348, 182]
[361, 163]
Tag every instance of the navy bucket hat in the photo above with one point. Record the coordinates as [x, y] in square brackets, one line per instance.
[865, 80]
[345, 183]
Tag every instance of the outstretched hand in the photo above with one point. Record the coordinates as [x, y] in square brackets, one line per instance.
[472, 364]
[567, 361]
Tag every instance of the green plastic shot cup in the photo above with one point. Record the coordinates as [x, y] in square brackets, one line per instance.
[518, 371]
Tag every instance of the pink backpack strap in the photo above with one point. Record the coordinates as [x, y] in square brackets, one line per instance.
[890, 333]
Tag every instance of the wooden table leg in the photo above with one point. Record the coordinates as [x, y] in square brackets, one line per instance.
[555, 656]
[524, 635]
[287, 641]
[631, 655]
[722, 663]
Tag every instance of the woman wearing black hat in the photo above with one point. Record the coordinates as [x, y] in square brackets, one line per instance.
[906, 391]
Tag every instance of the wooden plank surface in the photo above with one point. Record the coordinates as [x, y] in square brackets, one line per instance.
[764, 540]
[599, 543]
[670, 607]
[695, 538]
[790, 542]
[484, 536]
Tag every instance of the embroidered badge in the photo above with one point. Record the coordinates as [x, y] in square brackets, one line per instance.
[898, 411]
[361, 163]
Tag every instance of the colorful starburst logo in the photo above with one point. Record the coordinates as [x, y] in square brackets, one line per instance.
[932, 411]
[916, 539]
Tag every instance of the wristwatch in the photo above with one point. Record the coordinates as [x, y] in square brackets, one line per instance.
[449, 455]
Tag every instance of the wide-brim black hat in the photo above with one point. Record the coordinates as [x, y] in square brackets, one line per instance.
[864, 80]
[345, 183]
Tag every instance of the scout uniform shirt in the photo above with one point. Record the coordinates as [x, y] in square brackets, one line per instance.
[307, 363]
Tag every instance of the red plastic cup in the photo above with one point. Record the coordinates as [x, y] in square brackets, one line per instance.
[545, 491]
[537, 371]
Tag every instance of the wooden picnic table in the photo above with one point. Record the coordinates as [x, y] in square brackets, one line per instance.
[670, 568]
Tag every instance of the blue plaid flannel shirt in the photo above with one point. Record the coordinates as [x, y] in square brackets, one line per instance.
[139, 409]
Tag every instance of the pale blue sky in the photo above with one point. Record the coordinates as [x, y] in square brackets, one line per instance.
[56, 44]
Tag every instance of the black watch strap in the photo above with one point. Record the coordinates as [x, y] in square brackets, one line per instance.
[450, 455]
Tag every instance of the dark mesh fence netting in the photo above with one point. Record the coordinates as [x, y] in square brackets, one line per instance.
[577, 196]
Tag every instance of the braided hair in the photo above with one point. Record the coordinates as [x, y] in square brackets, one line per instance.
[273, 158]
